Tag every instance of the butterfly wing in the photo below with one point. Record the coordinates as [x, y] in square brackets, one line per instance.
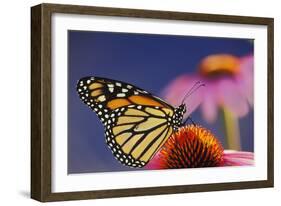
[136, 123]
[137, 133]
[109, 94]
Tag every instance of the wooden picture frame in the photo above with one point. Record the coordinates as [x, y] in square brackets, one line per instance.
[41, 98]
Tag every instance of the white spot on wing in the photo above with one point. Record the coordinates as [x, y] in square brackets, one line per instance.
[111, 89]
[121, 95]
[101, 98]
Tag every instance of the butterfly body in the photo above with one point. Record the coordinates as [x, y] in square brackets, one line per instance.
[136, 123]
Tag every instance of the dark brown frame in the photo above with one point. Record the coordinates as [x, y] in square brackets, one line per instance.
[41, 101]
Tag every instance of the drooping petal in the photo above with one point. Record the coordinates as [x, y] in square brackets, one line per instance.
[238, 158]
[246, 78]
[155, 163]
[210, 105]
[231, 97]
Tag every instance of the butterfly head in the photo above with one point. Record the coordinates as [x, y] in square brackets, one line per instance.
[182, 109]
[178, 116]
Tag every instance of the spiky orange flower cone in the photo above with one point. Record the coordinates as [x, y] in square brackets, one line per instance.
[190, 147]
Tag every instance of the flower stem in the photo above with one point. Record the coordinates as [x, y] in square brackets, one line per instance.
[232, 129]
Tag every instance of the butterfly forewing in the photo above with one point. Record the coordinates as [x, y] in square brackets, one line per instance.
[112, 94]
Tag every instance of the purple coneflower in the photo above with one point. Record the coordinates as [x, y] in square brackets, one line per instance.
[229, 83]
[229, 87]
[194, 146]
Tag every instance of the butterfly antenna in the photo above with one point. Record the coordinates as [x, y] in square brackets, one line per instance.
[193, 89]
[190, 90]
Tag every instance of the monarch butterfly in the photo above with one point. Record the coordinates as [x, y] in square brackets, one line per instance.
[136, 122]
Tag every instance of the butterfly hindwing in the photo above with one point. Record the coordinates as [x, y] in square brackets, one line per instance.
[134, 133]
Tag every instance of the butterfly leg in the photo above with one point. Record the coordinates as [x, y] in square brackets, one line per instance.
[189, 119]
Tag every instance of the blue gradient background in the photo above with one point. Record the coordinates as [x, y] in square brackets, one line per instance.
[147, 61]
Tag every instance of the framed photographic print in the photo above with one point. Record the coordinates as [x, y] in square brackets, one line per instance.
[132, 102]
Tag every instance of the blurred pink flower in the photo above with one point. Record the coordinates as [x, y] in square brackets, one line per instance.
[193, 147]
[229, 83]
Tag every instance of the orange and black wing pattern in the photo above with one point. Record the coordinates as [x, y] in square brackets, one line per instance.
[136, 123]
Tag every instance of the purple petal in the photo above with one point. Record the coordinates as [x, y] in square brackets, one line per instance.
[246, 78]
[238, 158]
[209, 105]
[154, 163]
[232, 98]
